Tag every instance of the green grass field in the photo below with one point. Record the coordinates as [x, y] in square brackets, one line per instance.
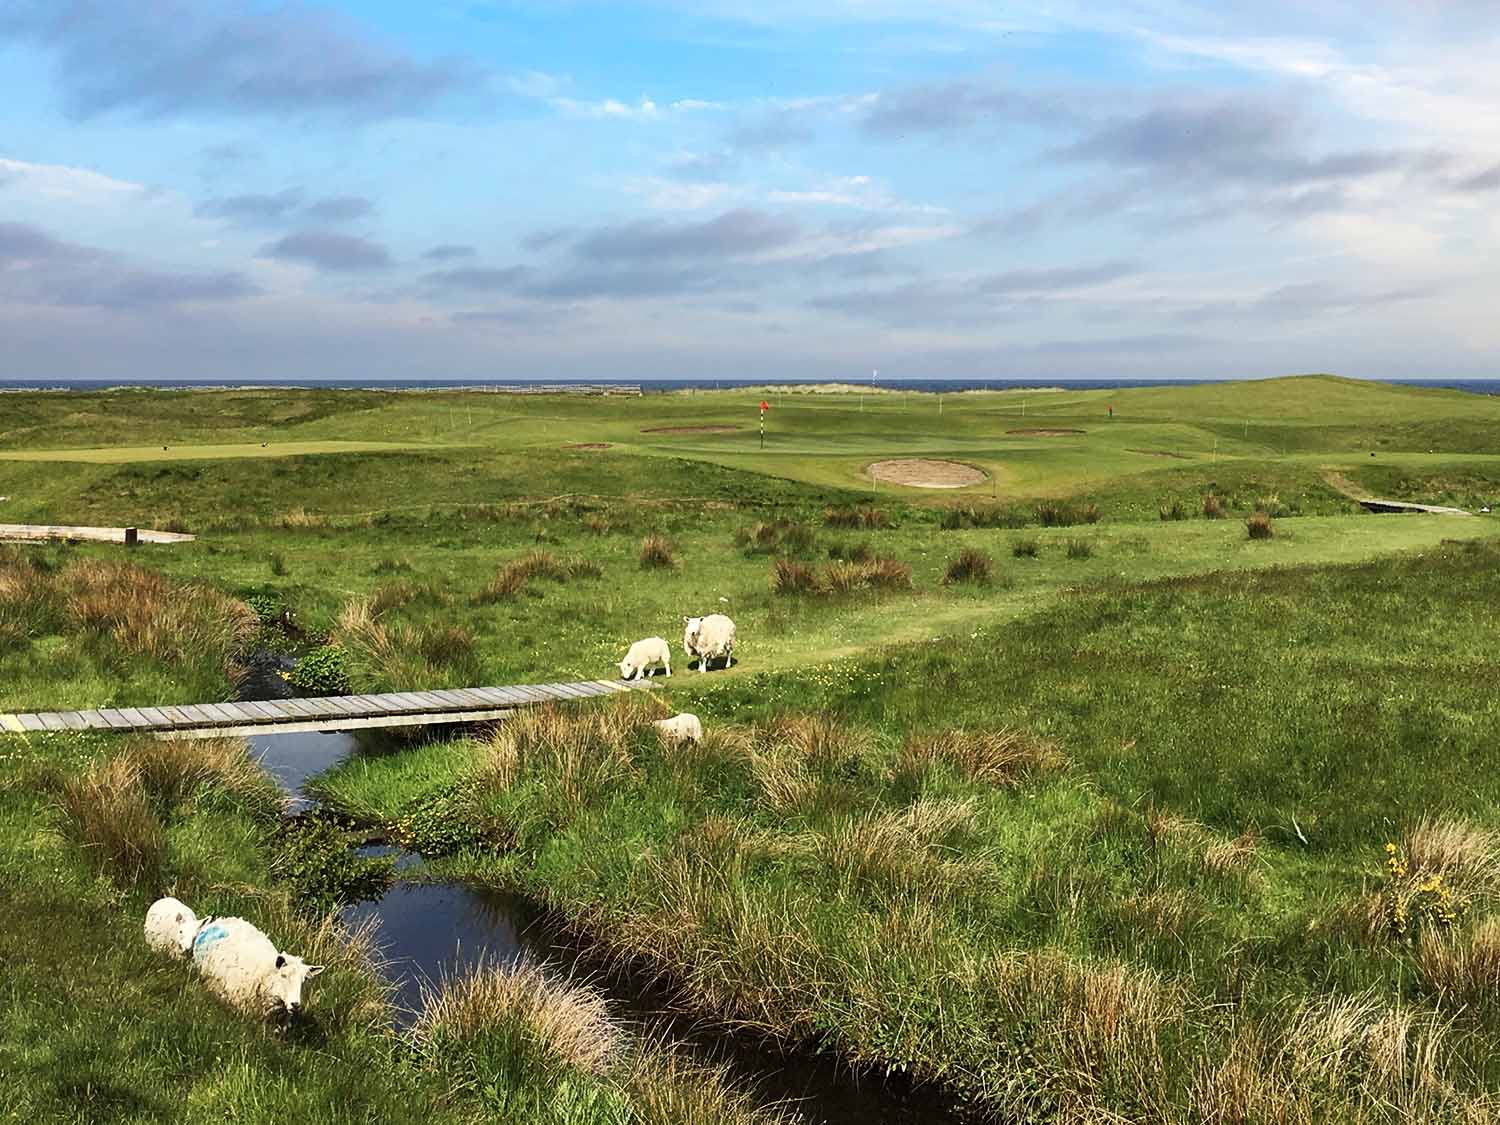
[1101, 836]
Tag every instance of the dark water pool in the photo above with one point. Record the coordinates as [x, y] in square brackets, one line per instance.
[429, 932]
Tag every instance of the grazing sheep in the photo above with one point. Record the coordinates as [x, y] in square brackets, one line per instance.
[708, 638]
[245, 969]
[645, 655]
[680, 728]
[170, 926]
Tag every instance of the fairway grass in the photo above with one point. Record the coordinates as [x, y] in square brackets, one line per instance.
[1147, 820]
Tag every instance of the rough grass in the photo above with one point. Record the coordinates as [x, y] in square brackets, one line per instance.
[656, 553]
[108, 812]
[971, 565]
[842, 576]
[1259, 526]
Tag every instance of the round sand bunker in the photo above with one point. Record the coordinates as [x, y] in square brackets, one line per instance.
[919, 472]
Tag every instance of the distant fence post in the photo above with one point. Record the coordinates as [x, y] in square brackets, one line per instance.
[132, 537]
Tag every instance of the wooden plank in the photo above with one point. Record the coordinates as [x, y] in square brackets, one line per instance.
[216, 712]
[258, 710]
[91, 720]
[433, 701]
[200, 715]
[458, 700]
[11, 724]
[405, 701]
[299, 708]
[51, 720]
[175, 717]
[32, 722]
[72, 720]
[112, 718]
[373, 704]
[495, 695]
[155, 717]
[133, 715]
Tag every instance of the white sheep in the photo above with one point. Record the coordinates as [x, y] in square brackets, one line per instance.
[708, 638]
[680, 728]
[245, 969]
[170, 926]
[645, 655]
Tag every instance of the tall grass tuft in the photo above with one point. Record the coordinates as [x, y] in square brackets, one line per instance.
[1259, 526]
[513, 1022]
[780, 536]
[993, 757]
[669, 1089]
[971, 565]
[1173, 511]
[656, 553]
[878, 574]
[107, 812]
[791, 577]
[1463, 969]
[1080, 549]
[1213, 507]
[1054, 513]
[173, 771]
[855, 518]
[989, 516]
[514, 576]
[1025, 548]
[143, 613]
[581, 752]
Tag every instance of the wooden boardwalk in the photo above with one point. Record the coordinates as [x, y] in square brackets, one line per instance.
[1373, 505]
[91, 534]
[316, 713]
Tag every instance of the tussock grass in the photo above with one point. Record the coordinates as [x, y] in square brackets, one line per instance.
[1056, 513]
[1212, 506]
[1080, 549]
[516, 1020]
[1259, 526]
[839, 577]
[401, 656]
[656, 553]
[998, 757]
[1468, 857]
[780, 536]
[1463, 969]
[970, 516]
[1025, 548]
[1172, 512]
[174, 771]
[971, 565]
[580, 752]
[852, 518]
[667, 1088]
[851, 552]
[108, 813]
[514, 576]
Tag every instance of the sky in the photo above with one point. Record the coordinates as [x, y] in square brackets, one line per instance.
[550, 189]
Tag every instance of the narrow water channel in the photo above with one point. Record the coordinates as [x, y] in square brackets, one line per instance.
[432, 931]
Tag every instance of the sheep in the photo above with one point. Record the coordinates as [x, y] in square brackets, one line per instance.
[680, 728]
[242, 966]
[170, 926]
[708, 638]
[643, 656]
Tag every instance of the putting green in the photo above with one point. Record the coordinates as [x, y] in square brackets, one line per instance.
[124, 454]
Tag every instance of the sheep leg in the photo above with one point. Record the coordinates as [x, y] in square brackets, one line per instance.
[668, 666]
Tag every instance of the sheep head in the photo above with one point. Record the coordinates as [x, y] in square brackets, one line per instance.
[284, 987]
[690, 627]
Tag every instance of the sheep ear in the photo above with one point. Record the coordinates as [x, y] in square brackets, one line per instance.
[281, 960]
[179, 919]
[314, 970]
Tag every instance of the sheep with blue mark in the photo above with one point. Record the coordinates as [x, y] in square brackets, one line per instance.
[242, 965]
[170, 927]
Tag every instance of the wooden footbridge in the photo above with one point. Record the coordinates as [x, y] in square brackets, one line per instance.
[317, 713]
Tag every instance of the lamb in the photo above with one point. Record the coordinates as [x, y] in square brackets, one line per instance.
[680, 728]
[645, 655]
[170, 926]
[246, 970]
[708, 638]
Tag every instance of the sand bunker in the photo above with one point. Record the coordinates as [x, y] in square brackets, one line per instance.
[919, 472]
[1046, 433]
[690, 429]
[587, 445]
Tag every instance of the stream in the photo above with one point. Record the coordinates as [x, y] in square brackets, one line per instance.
[430, 931]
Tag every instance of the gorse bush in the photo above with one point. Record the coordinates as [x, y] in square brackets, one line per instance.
[971, 565]
[1259, 526]
[656, 553]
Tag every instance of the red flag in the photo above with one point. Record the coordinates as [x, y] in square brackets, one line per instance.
[764, 406]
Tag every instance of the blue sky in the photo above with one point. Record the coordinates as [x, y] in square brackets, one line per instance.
[468, 189]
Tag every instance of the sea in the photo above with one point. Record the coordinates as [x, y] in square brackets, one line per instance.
[927, 386]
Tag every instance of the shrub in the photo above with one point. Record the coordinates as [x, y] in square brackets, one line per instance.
[1175, 512]
[656, 553]
[1259, 526]
[314, 856]
[1025, 548]
[866, 518]
[971, 566]
[108, 814]
[323, 671]
[1080, 549]
[789, 577]
[1213, 507]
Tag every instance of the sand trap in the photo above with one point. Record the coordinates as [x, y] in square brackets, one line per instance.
[690, 429]
[588, 445]
[919, 472]
[1046, 433]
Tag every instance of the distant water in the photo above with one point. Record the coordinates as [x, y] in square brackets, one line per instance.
[929, 386]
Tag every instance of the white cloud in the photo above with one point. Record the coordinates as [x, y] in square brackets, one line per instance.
[675, 195]
[61, 183]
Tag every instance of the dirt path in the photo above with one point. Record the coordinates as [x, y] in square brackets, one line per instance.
[30, 531]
